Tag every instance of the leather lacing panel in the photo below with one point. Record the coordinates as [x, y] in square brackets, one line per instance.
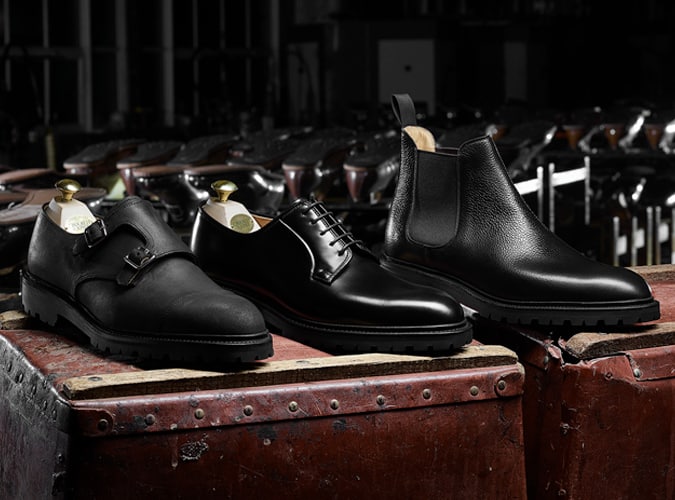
[333, 223]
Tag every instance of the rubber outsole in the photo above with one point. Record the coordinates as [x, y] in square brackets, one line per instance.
[527, 313]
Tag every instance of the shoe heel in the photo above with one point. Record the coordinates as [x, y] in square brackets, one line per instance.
[359, 181]
[38, 303]
[299, 181]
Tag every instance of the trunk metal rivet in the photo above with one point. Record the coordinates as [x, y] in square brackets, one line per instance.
[248, 410]
[199, 413]
[637, 373]
[474, 390]
[150, 419]
[380, 400]
[335, 404]
[426, 394]
[293, 406]
[501, 385]
[102, 425]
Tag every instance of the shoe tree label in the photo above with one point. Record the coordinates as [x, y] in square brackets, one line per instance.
[229, 213]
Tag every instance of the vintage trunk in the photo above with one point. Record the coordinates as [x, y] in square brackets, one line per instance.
[305, 424]
[598, 408]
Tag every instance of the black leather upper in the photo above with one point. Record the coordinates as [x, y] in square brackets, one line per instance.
[303, 263]
[499, 246]
[132, 273]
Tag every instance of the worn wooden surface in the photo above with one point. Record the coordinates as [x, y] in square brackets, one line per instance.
[654, 274]
[291, 371]
[664, 291]
[590, 345]
[16, 320]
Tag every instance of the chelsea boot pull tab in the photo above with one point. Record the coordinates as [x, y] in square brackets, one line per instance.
[228, 212]
[404, 109]
[70, 214]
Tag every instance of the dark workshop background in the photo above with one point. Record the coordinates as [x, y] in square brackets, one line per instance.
[83, 69]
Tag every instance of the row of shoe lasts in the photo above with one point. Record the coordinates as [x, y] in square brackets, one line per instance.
[624, 127]
[630, 145]
[457, 228]
[267, 165]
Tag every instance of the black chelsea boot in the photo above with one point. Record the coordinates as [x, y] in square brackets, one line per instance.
[458, 223]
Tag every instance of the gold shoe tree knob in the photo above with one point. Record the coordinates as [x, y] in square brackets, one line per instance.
[223, 189]
[67, 187]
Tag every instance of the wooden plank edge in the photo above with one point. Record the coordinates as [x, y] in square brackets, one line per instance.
[656, 273]
[16, 320]
[125, 384]
[589, 345]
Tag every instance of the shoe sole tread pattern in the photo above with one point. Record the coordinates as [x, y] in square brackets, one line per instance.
[49, 306]
[423, 340]
[528, 313]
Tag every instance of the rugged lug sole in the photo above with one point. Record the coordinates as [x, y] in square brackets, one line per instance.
[423, 340]
[45, 304]
[429, 340]
[527, 313]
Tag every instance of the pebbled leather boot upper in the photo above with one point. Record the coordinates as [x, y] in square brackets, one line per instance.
[458, 222]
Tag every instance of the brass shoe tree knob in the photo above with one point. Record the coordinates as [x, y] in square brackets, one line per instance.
[68, 188]
[223, 189]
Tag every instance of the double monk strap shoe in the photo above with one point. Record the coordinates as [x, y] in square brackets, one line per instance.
[458, 223]
[316, 283]
[131, 285]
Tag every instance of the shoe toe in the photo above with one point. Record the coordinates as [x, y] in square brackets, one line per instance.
[213, 312]
[622, 284]
[424, 306]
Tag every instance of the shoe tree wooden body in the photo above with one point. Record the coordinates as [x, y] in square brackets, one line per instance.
[229, 213]
[70, 214]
